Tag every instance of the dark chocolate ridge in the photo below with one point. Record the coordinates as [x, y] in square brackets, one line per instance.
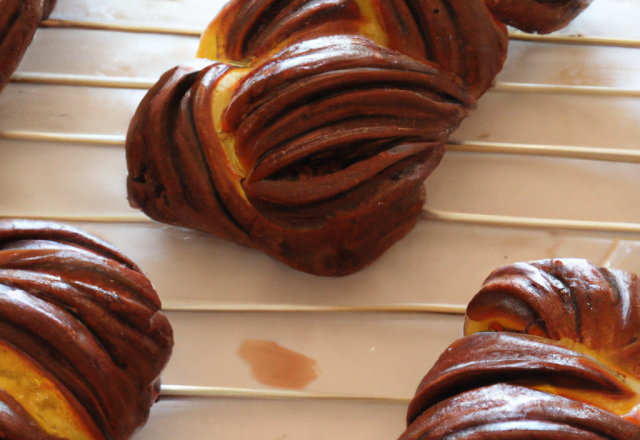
[132, 287]
[508, 412]
[16, 229]
[282, 117]
[484, 385]
[60, 338]
[306, 82]
[141, 355]
[414, 28]
[573, 299]
[464, 38]
[485, 359]
[259, 26]
[325, 220]
[169, 173]
[91, 322]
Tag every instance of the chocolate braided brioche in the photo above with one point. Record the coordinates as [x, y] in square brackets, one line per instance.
[82, 341]
[311, 134]
[19, 20]
[551, 352]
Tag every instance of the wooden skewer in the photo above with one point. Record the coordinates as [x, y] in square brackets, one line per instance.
[527, 222]
[192, 32]
[575, 40]
[141, 28]
[588, 153]
[64, 79]
[564, 89]
[187, 305]
[198, 391]
[72, 138]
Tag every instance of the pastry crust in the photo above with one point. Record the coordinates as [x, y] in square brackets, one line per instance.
[551, 352]
[318, 158]
[307, 127]
[461, 36]
[84, 318]
[310, 136]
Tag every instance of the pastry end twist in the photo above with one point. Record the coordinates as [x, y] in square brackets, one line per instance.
[82, 338]
[551, 351]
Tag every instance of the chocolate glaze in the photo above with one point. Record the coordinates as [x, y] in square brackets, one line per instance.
[89, 318]
[19, 20]
[568, 298]
[335, 144]
[460, 35]
[511, 412]
[484, 385]
[537, 16]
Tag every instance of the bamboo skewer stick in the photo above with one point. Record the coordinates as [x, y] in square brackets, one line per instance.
[72, 138]
[564, 89]
[140, 28]
[576, 40]
[528, 222]
[199, 391]
[185, 305]
[586, 153]
[193, 32]
[64, 79]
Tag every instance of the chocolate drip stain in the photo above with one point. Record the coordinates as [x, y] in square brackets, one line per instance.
[277, 366]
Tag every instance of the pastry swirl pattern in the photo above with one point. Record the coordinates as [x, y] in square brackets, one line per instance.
[551, 352]
[317, 148]
[306, 128]
[81, 336]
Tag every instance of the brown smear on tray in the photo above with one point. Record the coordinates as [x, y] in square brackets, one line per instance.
[276, 366]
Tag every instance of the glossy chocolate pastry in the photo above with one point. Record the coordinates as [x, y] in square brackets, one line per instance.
[19, 20]
[551, 352]
[537, 16]
[82, 341]
[311, 135]
[459, 35]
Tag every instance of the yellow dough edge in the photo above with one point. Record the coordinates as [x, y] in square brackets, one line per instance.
[39, 396]
[628, 407]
